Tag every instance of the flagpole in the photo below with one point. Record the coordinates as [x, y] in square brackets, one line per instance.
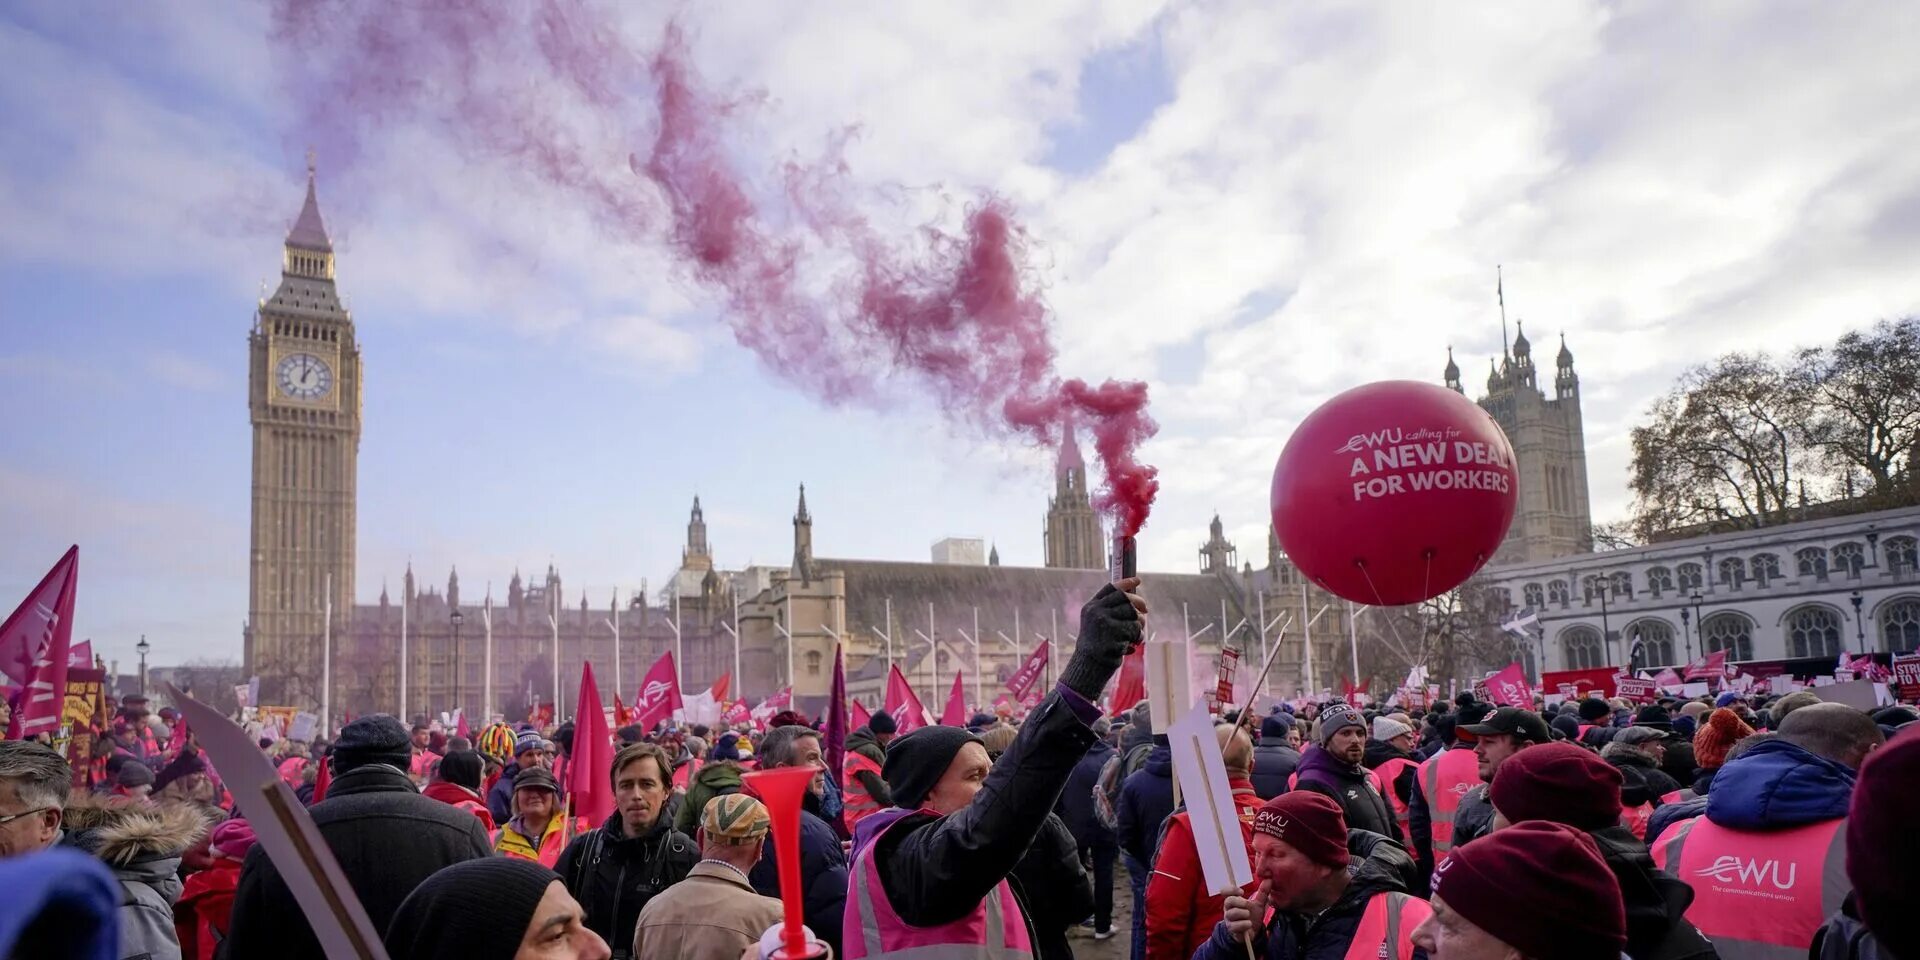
[1313, 689]
[679, 680]
[553, 620]
[616, 641]
[403, 655]
[1353, 642]
[486, 622]
[326, 663]
[888, 636]
[979, 686]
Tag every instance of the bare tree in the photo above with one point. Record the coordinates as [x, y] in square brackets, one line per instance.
[1453, 635]
[1725, 444]
[1866, 410]
[1614, 536]
[211, 681]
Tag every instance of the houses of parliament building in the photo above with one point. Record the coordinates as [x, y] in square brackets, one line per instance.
[766, 627]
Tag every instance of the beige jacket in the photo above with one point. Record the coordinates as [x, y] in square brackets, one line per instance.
[712, 915]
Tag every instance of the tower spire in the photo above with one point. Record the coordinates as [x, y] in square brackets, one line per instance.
[1500, 291]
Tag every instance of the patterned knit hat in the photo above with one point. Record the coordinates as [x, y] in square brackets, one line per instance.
[1723, 729]
[735, 818]
[496, 743]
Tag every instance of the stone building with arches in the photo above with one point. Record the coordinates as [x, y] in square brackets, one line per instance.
[1794, 591]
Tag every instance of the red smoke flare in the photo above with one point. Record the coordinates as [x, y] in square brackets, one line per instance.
[960, 313]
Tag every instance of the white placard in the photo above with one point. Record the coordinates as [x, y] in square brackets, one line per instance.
[1168, 692]
[1202, 773]
[303, 724]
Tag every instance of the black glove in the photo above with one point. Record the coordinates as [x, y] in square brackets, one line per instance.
[1109, 630]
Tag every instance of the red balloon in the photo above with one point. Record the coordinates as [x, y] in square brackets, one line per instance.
[1394, 492]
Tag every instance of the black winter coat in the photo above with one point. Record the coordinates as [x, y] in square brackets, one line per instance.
[1657, 927]
[1076, 799]
[1350, 786]
[823, 873]
[1055, 888]
[1473, 819]
[1146, 800]
[387, 837]
[613, 875]
[1273, 763]
[937, 869]
[1379, 866]
[1846, 937]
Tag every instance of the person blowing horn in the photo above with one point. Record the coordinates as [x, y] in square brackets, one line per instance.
[931, 871]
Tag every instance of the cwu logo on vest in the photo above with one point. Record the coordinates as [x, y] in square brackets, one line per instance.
[1731, 869]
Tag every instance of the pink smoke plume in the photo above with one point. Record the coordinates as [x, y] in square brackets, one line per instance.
[959, 312]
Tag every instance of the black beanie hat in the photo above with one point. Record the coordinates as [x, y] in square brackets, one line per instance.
[917, 760]
[461, 767]
[880, 722]
[473, 910]
[375, 738]
[1595, 710]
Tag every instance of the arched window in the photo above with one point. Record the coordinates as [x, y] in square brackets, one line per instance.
[1900, 625]
[1656, 642]
[1582, 646]
[1813, 631]
[1902, 553]
[1689, 574]
[1766, 568]
[1811, 562]
[1592, 587]
[1733, 572]
[1622, 585]
[1848, 558]
[1536, 597]
[1659, 580]
[1557, 592]
[1727, 631]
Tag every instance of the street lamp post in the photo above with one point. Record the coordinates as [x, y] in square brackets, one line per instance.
[457, 618]
[1859, 628]
[142, 647]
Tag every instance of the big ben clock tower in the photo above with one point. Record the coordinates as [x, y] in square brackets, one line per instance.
[303, 394]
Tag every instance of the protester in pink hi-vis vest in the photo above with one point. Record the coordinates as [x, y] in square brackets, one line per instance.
[1767, 861]
[960, 824]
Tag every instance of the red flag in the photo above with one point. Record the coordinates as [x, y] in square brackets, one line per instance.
[955, 714]
[1509, 688]
[834, 741]
[659, 693]
[460, 729]
[1024, 678]
[719, 691]
[860, 715]
[902, 703]
[589, 778]
[35, 648]
[321, 780]
[1131, 688]
[621, 715]
[82, 658]
[1706, 668]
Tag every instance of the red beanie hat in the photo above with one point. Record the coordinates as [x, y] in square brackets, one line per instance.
[1882, 845]
[1723, 729]
[1308, 822]
[1558, 782]
[1540, 888]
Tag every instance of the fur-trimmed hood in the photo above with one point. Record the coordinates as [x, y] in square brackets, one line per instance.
[123, 834]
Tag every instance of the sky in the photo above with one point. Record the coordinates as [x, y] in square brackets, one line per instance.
[1250, 206]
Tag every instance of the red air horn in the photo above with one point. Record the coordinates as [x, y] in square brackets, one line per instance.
[783, 790]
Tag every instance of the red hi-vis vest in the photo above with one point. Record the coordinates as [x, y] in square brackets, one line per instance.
[1384, 775]
[1636, 819]
[1445, 779]
[856, 803]
[1758, 895]
[1386, 929]
[994, 930]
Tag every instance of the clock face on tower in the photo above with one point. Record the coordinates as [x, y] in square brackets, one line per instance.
[304, 376]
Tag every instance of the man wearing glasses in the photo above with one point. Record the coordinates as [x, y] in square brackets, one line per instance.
[33, 796]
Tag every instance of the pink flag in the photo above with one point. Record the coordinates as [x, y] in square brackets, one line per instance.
[1131, 688]
[1024, 678]
[460, 729]
[659, 693]
[955, 715]
[35, 648]
[1712, 665]
[1667, 677]
[907, 712]
[719, 691]
[589, 777]
[860, 714]
[82, 657]
[1509, 688]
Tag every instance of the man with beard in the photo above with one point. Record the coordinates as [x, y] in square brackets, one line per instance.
[1333, 768]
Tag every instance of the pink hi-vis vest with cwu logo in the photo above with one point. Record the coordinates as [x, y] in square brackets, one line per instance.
[1386, 929]
[995, 930]
[1444, 779]
[1383, 776]
[1758, 895]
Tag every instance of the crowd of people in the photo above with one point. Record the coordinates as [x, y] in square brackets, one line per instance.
[1729, 827]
